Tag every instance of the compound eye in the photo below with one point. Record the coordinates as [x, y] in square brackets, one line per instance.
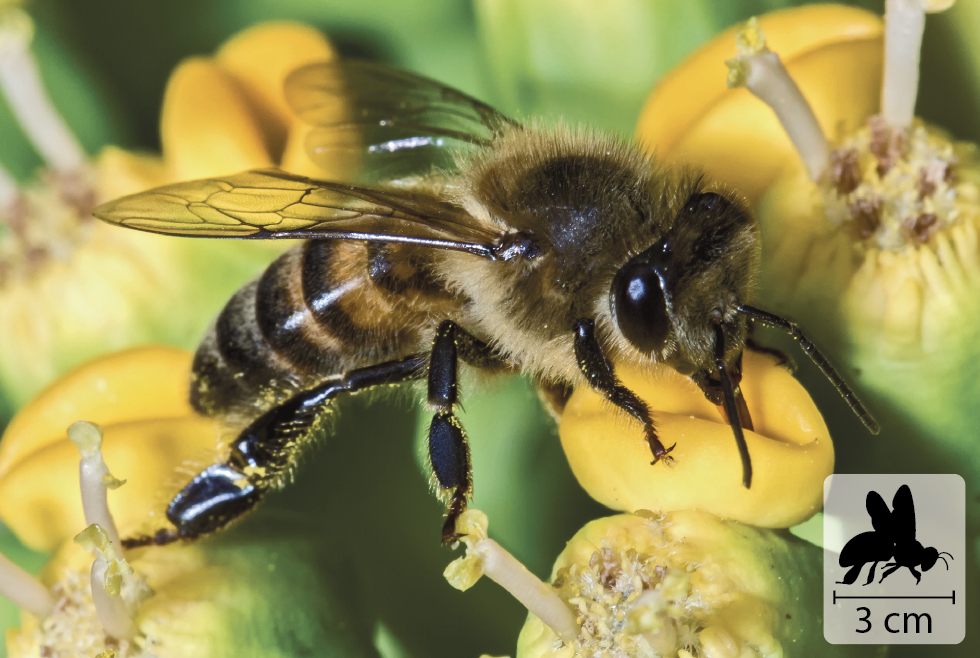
[638, 301]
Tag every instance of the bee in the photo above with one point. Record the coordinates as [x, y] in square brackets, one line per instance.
[893, 538]
[468, 236]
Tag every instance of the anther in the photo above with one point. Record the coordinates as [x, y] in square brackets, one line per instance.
[94, 477]
[108, 572]
[484, 556]
[759, 70]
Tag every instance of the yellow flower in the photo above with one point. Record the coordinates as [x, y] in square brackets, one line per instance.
[877, 255]
[262, 593]
[228, 113]
[833, 53]
[139, 397]
[876, 252]
[683, 583]
[790, 448]
[72, 287]
[269, 588]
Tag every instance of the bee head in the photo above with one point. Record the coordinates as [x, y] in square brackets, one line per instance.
[692, 277]
[929, 558]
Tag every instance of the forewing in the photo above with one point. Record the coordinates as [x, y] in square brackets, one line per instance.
[270, 204]
[394, 123]
[903, 515]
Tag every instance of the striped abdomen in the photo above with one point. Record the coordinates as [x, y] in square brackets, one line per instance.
[321, 309]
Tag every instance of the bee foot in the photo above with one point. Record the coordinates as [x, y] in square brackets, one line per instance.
[449, 534]
[660, 453]
[161, 537]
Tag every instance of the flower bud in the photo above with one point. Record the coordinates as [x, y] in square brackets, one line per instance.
[685, 583]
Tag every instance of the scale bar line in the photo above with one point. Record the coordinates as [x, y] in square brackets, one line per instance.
[952, 597]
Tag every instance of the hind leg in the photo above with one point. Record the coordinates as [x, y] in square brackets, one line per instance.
[224, 492]
[852, 574]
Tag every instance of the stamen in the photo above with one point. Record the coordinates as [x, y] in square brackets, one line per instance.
[20, 81]
[904, 23]
[760, 70]
[94, 477]
[107, 581]
[24, 590]
[485, 556]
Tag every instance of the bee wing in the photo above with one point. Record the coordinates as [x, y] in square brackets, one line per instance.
[903, 516]
[878, 511]
[270, 204]
[395, 123]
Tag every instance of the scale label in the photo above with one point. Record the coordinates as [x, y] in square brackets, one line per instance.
[894, 559]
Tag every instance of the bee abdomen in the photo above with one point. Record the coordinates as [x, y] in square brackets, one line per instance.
[235, 366]
[319, 310]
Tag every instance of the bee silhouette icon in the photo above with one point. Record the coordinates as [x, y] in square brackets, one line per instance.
[892, 541]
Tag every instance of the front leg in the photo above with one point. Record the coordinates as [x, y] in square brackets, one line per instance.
[449, 453]
[599, 372]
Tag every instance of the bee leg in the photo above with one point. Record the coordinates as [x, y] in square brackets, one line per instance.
[851, 575]
[599, 372]
[871, 573]
[477, 353]
[449, 453]
[894, 568]
[263, 451]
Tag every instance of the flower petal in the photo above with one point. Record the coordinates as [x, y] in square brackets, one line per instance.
[39, 497]
[791, 449]
[135, 384]
[834, 54]
[122, 172]
[208, 127]
[260, 58]
[139, 396]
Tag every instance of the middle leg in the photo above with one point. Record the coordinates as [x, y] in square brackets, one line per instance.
[449, 454]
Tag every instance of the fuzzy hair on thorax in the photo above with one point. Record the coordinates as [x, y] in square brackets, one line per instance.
[591, 202]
